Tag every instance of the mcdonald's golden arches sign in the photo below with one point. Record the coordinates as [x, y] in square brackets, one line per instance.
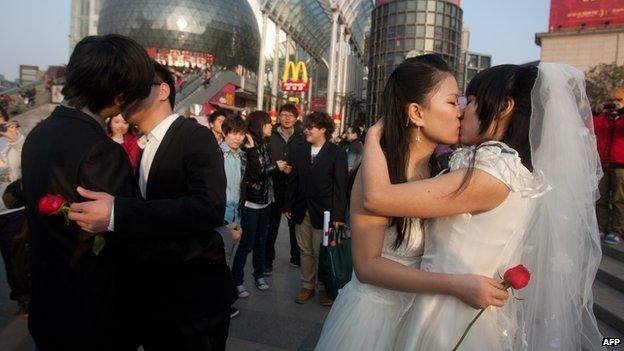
[295, 77]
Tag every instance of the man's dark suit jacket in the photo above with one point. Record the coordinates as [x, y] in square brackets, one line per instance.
[73, 291]
[318, 186]
[179, 273]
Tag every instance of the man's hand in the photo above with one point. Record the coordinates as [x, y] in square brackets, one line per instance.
[92, 216]
[288, 215]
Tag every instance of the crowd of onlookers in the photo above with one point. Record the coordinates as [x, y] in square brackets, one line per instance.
[294, 169]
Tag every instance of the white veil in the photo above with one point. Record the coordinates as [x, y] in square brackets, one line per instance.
[561, 248]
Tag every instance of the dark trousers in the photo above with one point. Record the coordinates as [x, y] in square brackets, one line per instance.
[10, 226]
[279, 188]
[208, 334]
[255, 225]
[610, 205]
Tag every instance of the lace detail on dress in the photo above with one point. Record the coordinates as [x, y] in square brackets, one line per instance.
[410, 251]
[504, 163]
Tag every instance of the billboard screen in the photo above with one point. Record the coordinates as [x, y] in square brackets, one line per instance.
[588, 13]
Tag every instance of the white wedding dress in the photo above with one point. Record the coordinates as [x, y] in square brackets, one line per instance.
[486, 244]
[367, 317]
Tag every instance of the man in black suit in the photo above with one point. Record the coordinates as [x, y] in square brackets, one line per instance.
[73, 290]
[177, 280]
[317, 183]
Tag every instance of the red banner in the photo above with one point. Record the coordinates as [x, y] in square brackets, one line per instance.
[585, 13]
[319, 104]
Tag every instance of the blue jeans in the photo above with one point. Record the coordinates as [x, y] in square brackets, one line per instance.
[255, 225]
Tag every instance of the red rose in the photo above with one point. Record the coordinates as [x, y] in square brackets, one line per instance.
[51, 204]
[517, 277]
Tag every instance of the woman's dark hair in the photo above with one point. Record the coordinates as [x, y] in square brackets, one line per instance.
[413, 81]
[233, 124]
[320, 120]
[109, 125]
[357, 130]
[103, 67]
[290, 108]
[491, 88]
[256, 121]
[163, 75]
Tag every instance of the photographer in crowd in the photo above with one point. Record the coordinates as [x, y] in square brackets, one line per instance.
[609, 129]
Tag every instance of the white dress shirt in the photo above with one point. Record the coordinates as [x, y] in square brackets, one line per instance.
[151, 142]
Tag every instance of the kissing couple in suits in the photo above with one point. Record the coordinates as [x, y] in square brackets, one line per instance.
[161, 280]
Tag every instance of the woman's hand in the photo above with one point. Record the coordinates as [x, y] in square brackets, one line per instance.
[235, 232]
[479, 291]
[375, 132]
[249, 143]
[281, 165]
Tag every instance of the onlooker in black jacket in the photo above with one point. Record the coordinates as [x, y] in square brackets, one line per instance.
[286, 138]
[318, 183]
[259, 197]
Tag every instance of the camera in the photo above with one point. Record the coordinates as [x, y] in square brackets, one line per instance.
[611, 110]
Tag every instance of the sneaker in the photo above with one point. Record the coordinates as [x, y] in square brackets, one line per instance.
[324, 300]
[304, 295]
[261, 284]
[234, 312]
[295, 262]
[612, 239]
[242, 292]
[602, 235]
[268, 270]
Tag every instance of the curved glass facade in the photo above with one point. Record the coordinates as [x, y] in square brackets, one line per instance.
[410, 27]
[225, 29]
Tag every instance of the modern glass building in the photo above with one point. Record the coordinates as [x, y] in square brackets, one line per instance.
[188, 31]
[475, 63]
[405, 28]
[84, 20]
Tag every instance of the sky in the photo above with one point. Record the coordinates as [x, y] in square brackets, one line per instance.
[36, 32]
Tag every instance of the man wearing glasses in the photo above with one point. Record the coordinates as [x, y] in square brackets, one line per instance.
[287, 137]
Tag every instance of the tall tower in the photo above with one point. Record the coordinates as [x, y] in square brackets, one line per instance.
[404, 28]
[84, 20]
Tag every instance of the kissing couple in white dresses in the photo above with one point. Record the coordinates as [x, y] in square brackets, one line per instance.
[429, 245]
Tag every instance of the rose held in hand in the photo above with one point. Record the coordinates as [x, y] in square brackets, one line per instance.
[53, 204]
[517, 277]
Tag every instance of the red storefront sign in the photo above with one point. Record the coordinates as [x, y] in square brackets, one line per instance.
[319, 104]
[585, 13]
[180, 58]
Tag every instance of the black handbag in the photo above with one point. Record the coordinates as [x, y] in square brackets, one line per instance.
[335, 261]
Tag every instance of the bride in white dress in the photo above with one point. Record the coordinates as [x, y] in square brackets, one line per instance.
[534, 134]
[387, 251]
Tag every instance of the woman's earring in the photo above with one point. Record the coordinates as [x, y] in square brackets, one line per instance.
[407, 122]
[418, 134]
